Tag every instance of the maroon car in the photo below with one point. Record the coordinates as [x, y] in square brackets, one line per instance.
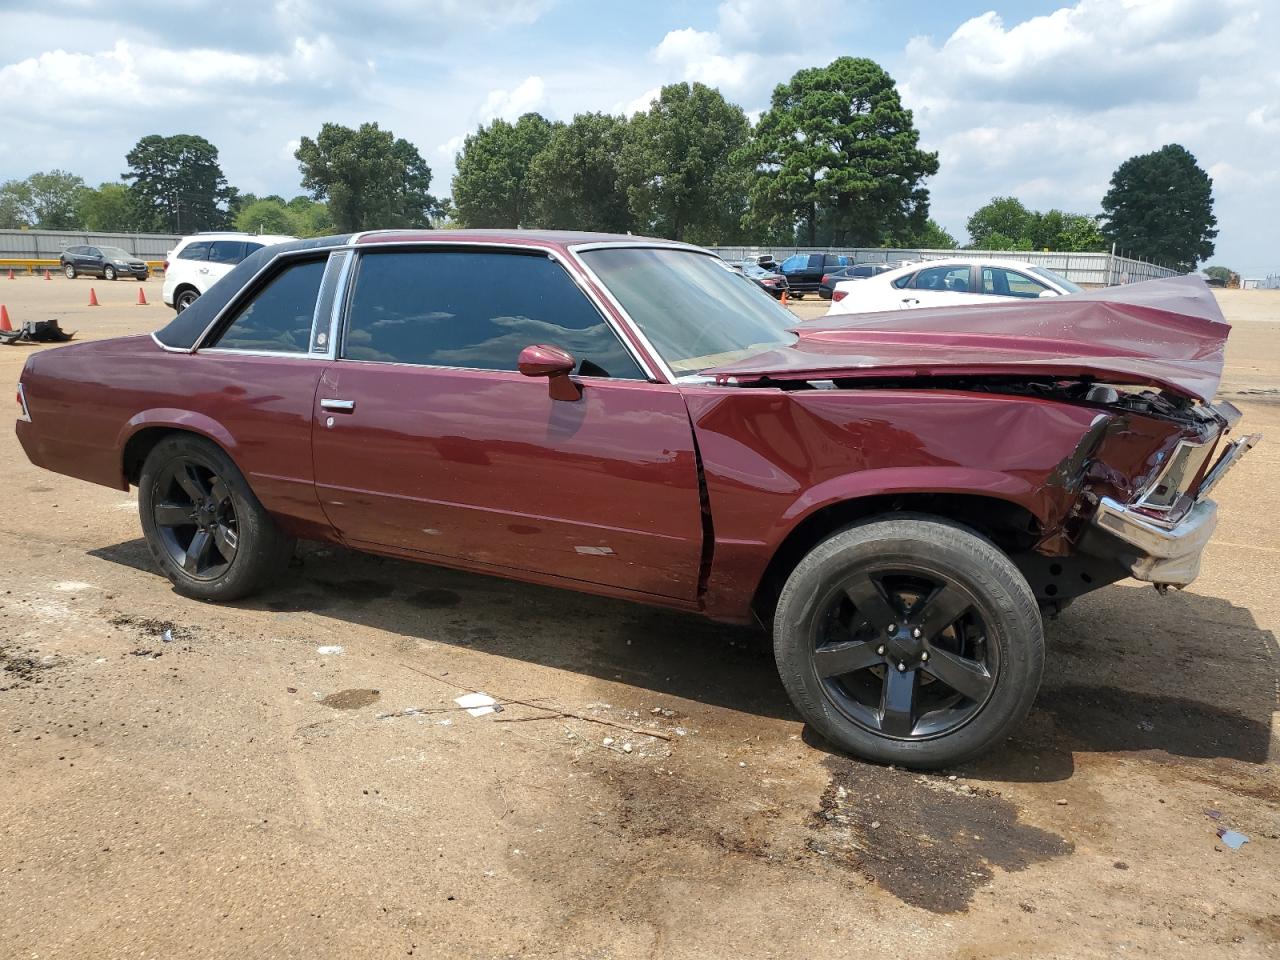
[897, 496]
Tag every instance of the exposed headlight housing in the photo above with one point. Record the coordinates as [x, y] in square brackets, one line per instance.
[1166, 492]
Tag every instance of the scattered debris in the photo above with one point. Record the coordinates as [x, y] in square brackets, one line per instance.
[626, 748]
[36, 331]
[1231, 838]
[291, 689]
[1060, 802]
[167, 636]
[1213, 814]
[607, 742]
[478, 704]
[329, 651]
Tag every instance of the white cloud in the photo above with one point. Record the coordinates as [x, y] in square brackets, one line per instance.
[749, 24]
[449, 149]
[697, 56]
[509, 104]
[289, 149]
[638, 104]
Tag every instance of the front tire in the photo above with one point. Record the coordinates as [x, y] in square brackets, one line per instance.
[205, 528]
[108, 272]
[909, 640]
[70, 271]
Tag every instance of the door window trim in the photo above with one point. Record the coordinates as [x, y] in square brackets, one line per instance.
[334, 263]
[352, 277]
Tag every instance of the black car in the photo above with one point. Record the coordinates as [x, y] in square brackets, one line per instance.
[859, 272]
[767, 280]
[804, 270]
[109, 263]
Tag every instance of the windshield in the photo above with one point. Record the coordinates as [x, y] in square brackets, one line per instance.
[115, 253]
[696, 313]
[1061, 281]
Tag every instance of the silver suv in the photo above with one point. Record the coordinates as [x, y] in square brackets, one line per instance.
[200, 261]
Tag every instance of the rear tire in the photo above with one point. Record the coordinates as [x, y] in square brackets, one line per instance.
[185, 299]
[205, 528]
[955, 675]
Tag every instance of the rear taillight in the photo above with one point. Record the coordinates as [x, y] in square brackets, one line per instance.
[166, 266]
[838, 295]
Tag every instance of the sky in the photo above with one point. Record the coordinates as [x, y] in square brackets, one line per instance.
[1039, 100]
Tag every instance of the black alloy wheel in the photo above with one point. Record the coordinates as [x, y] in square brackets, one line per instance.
[904, 653]
[196, 519]
[185, 299]
[909, 639]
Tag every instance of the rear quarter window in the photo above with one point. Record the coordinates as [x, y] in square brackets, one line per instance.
[195, 251]
[277, 319]
[228, 252]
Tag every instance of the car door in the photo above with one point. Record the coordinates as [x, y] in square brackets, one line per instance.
[93, 261]
[428, 441]
[256, 375]
[223, 256]
[940, 286]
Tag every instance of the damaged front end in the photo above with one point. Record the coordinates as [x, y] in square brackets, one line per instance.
[1133, 495]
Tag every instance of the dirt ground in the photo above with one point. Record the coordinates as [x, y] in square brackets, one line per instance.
[290, 776]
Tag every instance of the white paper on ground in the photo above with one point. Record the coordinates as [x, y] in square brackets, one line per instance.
[476, 704]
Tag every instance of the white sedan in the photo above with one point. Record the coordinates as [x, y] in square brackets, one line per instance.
[939, 283]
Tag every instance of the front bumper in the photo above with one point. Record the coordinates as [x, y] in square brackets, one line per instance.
[1152, 551]
[1162, 553]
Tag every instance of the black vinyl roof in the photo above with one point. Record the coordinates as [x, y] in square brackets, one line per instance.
[183, 331]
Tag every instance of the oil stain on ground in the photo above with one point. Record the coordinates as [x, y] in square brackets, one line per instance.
[357, 591]
[350, 699]
[432, 598]
[924, 840]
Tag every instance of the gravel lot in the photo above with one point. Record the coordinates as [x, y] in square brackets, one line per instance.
[185, 780]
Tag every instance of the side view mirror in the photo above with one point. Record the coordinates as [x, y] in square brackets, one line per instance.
[553, 363]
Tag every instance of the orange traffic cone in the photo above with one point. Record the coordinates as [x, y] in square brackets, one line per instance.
[11, 273]
[5, 325]
[784, 298]
[93, 298]
[142, 297]
[48, 275]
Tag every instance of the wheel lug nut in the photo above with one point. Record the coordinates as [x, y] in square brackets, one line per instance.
[892, 627]
[916, 633]
[901, 666]
[925, 657]
[880, 650]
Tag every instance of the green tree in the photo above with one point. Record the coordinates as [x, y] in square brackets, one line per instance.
[268, 215]
[1000, 223]
[681, 165]
[15, 205]
[369, 177]
[1080, 233]
[932, 236]
[837, 144]
[107, 209]
[1228, 276]
[311, 218]
[492, 186]
[1160, 207]
[572, 183]
[177, 185]
[55, 199]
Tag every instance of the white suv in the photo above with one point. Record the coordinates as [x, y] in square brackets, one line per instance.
[200, 261]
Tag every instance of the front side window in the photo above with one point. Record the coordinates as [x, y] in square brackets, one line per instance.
[797, 261]
[695, 313]
[277, 319]
[195, 251]
[229, 252]
[460, 308]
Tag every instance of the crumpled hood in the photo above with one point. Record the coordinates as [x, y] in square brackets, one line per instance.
[1163, 333]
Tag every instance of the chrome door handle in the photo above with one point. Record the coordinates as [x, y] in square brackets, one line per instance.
[338, 406]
